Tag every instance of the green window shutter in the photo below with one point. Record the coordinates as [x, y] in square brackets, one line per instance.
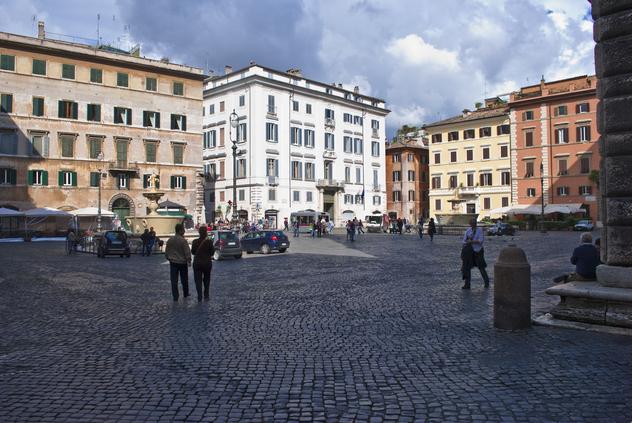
[129, 116]
[97, 112]
[93, 179]
[184, 182]
[145, 181]
[74, 179]
[75, 110]
[45, 177]
[145, 118]
[60, 178]
[173, 121]
[157, 120]
[60, 109]
[173, 182]
[13, 176]
[30, 177]
[184, 123]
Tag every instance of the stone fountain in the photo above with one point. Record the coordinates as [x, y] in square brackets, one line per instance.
[163, 225]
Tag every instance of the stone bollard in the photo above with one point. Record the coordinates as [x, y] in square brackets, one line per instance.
[512, 290]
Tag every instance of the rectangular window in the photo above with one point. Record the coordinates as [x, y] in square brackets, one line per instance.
[221, 137]
[376, 179]
[529, 169]
[296, 136]
[296, 196]
[121, 152]
[347, 144]
[272, 167]
[8, 142]
[122, 79]
[528, 115]
[469, 155]
[67, 109]
[375, 124]
[582, 108]
[37, 177]
[179, 182]
[329, 142]
[308, 109]
[242, 132]
[295, 106]
[487, 203]
[178, 153]
[411, 195]
[67, 145]
[437, 204]
[8, 176]
[377, 200]
[329, 114]
[347, 118]
[411, 175]
[504, 151]
[358, 147]
[94, 113]
[309, 197]
[211, 109]
[67, 71]
[271, 105]
[505, 177]
[272, 132]
[485, 153]
[67, 179]
[358, 175]
[38, 106]
[210, 139]
[562, 167]
[469, 134]
[562, 191]
[486, 179]
[39, 67]
[309, 138]
[583, 133]
[560, 111]
[397, 158]
[297, 170]
[178, 88]
[528, 138]
[453, 182]
[437, 158]
[242, 100]
[584, 165]
[436, 138]
[436, 182]
[585, 190]
[94, 147]
[452, 156]
[485, 131]
[151, 148]
[504, 202]
[6, 103]
[39, 145]
[241, 168]
[397, 176]
[310, 172]
[122, 115]
[453, 136]
[241, 195]
[375, 148]
[178, 122]
[502, 130]
[96, 76]
[357, 120]
[151, 119]
[7, 62]
[397, 196]
[151, 84]
[348, 174]
[221, 106]
[272, 194]
[561, 135]
[470, 179]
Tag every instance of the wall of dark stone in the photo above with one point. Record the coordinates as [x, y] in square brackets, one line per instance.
[613, 63]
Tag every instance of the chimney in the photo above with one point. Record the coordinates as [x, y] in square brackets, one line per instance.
[252, 63]
[356, 90]
[294, 72]
[228, 69]
[466, 112]
[339, 85]
[41, 32]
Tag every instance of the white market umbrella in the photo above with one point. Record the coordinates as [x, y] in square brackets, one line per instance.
[45, 212]
[91, 211]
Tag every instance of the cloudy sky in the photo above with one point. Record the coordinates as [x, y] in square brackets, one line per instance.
[429, 59]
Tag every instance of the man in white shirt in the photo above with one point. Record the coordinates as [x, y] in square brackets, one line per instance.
[473, 254]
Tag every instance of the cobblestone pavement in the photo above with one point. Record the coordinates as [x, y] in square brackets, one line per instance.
[378, 330]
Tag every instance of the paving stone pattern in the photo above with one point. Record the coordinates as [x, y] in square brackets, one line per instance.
[378, 331]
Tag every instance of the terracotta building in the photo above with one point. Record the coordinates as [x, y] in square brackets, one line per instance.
[65, 103]
[470, 163]
[554, 144]
[407, 178]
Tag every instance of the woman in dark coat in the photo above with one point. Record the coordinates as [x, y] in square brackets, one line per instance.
[203, 251]
[432, 230]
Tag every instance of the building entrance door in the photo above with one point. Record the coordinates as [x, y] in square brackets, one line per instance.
[120, 207]
[328, 203]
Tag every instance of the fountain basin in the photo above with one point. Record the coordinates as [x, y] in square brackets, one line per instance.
[163, 225]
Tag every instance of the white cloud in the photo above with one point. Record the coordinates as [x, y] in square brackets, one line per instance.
[413, 50]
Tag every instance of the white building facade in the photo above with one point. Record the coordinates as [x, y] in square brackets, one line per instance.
[302, 145]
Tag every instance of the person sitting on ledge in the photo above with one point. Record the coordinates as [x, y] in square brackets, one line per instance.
[586, 259]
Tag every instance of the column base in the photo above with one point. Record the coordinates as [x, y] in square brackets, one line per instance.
[614, 276]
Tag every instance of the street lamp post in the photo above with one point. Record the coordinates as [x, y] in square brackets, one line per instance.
[542, 228]
[100, 157]
[234, 122]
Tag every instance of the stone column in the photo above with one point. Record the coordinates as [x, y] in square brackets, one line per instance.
[613, 62]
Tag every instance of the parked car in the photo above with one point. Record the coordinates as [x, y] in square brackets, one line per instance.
[584, 225]
[112, 243]
[501, 229]
[226, 244]
[265, 242]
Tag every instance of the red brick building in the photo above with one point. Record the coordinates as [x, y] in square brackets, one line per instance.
[554, 144]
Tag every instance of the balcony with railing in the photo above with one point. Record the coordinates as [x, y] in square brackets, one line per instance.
[330, 123]
[330, 183]
[375, 132]
[272, 180]
[123, 166]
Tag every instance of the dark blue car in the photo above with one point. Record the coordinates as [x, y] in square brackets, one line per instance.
[265, 242]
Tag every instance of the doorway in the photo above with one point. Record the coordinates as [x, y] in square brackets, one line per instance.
[121, 208]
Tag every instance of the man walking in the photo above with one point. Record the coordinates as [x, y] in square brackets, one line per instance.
[295, 225]
[420, 227]
[473, 254]
[178, 253]
[203, 251]
[151, 240]
[285, 225]
[432, 229]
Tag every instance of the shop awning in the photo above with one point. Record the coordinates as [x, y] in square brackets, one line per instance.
[91, 211]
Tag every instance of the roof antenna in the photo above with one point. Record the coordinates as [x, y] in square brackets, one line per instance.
[98, 29]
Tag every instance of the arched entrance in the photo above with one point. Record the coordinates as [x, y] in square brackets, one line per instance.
[242, 214]
[122, 206]
[347, 215]
[271, 217]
